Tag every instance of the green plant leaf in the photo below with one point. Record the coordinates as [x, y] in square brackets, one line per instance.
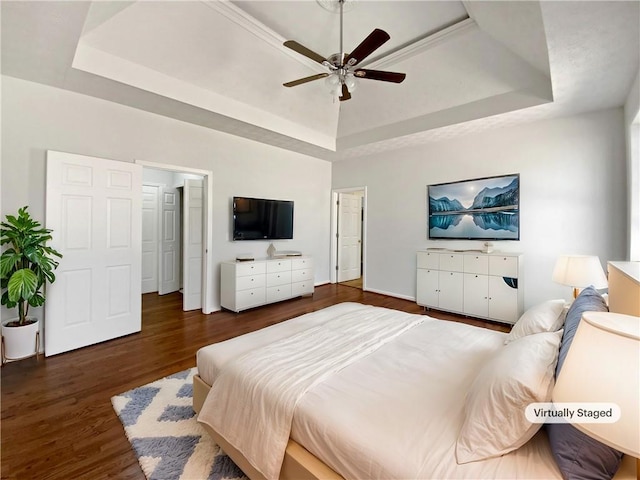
[6, 301]
[37, 300]
[8, 262]
[23, 284]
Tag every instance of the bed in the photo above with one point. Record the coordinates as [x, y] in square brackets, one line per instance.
[398, 411]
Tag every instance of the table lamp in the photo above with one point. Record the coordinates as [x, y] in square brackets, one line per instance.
[579, 271]
[603, 366]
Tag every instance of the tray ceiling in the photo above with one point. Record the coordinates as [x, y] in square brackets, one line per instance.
[469, 65]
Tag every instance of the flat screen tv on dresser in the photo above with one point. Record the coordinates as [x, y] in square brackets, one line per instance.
[262, 219]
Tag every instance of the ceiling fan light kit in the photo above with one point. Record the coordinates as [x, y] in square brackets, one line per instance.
[340, 78]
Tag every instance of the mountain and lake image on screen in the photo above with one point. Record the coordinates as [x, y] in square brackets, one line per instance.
[478, 209]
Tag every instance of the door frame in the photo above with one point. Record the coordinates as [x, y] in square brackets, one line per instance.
[208, 269]
[334, 232]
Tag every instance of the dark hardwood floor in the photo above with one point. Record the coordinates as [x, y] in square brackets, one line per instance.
[57, 418]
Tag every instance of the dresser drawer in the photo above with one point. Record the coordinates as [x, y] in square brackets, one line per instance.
[428, 260]
[301, 263]
[250, 298]
[275, 294]
[278, 278]
[278, 266]
[249, 268]
[302, 275]
[250, 281]
[503, 266]
[476, 264]
[451, 262]
[301, 288]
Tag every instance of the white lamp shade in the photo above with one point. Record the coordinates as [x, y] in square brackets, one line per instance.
[603, 366]
[332, 81]
[351, 82]
[579, 271]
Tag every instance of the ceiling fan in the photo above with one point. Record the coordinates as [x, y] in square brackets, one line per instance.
[342, 67]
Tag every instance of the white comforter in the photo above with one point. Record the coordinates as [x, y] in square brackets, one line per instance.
[254, 397]
[397, 412]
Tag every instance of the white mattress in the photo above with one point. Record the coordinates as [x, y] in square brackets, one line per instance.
[396, 413]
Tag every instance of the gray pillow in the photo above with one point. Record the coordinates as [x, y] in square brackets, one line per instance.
[578, 455]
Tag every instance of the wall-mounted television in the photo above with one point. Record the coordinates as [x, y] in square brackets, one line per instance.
[262, 219]
[477, 209]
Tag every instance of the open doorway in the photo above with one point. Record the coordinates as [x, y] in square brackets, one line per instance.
[163, 232]
[348, 244]
[176, 233]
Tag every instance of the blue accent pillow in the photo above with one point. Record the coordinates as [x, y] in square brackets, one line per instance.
[578, 455]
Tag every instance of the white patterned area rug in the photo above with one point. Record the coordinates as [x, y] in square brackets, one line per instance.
[170, 444]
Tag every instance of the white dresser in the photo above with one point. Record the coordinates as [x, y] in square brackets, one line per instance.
[484, 285]
[245, 285]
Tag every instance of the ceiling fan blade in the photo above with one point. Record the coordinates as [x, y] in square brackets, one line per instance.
[300, 81]
[380, 75]
[374, 41]
[345, 93]
[302, 50]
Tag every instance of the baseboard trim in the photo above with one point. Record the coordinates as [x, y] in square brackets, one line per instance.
[390, 294]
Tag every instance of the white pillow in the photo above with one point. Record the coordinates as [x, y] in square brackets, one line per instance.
[519, 374]
[545, 317]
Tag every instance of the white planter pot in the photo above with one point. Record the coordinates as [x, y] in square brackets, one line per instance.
[19, 342]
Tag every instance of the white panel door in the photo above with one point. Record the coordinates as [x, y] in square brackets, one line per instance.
[193, 244]
[150, 200]
[169, 259]
[94, 207]
[349, 237]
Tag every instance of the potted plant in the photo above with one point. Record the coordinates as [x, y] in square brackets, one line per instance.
[25, 266]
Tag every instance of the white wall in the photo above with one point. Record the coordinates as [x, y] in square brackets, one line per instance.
[573, 196]
[632, 129]
[36, 118]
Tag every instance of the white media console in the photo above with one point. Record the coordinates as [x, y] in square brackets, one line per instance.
[484, 285]
[248, 284]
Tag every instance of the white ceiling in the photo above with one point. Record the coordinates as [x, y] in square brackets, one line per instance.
[470, 65]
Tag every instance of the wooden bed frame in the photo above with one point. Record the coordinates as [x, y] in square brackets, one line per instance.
[300, 464]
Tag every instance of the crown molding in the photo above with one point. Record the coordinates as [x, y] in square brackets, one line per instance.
[264, 33]
[259, 30]
[416, 48]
